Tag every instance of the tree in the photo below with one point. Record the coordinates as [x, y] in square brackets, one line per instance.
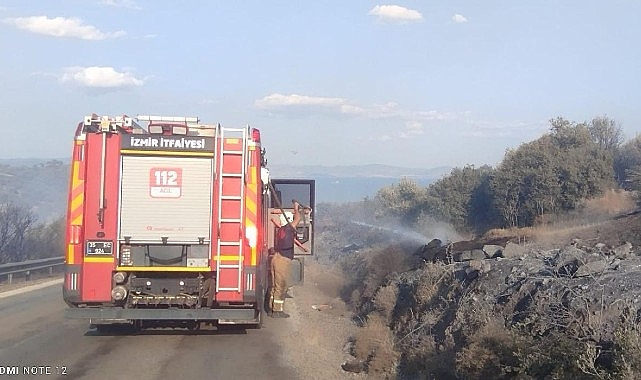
[626, 161]
[450, 198]
[525, 184]
[555, 172]
[586, 168]
[404, 201]
[606, 133]
[46, 239]
[14, 224]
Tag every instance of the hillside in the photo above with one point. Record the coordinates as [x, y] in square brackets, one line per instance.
[38, 184]
[556, 301]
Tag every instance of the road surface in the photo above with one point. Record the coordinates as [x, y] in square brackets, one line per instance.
[36, 338]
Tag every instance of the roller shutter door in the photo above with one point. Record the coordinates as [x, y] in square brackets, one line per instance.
[166, 197]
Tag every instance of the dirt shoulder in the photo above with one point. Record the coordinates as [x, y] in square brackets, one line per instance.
[314, 337]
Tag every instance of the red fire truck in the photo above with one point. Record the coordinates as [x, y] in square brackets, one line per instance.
[168, 223]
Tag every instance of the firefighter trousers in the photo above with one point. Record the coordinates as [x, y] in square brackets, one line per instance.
[280, 268]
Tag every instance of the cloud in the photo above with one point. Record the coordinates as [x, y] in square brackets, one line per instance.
[61, 27]
[342, 106]
[395, 14]
[100, 77]
[413, 129]
[279, 100]
[129, 4]
[499, 129]
[459, 19]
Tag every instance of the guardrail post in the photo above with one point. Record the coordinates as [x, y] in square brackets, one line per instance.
[50, 271]
[9, 278]
[27, 275]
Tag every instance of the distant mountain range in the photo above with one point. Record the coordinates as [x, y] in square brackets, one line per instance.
[42, 183]
[355, 182]
[358, 171]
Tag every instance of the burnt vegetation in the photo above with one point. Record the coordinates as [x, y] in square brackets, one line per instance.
[529, 270]
[23, 237]
[32, 198]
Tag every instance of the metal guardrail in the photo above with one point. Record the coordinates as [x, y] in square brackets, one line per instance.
[28, 266]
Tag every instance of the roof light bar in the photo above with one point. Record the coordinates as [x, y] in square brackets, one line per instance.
[106, 123]
[175, 119]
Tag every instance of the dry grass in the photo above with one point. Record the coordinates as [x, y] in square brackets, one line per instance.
[374, 344]
[611, 203]
[589, 220]
[492, 352]
[385, 302]
[627, 344]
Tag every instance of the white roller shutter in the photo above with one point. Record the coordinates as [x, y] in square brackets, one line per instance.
[165, 197]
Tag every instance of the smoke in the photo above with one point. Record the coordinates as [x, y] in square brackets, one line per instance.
[411, 236]
[424, 232]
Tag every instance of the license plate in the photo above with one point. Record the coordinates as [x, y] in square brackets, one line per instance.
[99, 247]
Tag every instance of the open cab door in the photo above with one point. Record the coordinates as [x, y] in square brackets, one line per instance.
[284, 192]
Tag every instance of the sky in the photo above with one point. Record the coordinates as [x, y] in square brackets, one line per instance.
[419, 84]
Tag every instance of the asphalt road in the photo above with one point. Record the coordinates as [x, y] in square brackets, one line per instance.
[35, 334]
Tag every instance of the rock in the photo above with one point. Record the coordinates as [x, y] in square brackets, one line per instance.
[593, 268]
[350, 248]
[513, 251]
[356, 366]
[482, 266]
[600, 247]
[622, 251]
[568, 267]
[475, 254]
[493, 251]
[430, 251]
[614, 265]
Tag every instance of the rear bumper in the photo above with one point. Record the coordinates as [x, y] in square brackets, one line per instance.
[246, 315]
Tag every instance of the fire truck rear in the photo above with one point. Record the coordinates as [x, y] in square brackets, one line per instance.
[167, 224]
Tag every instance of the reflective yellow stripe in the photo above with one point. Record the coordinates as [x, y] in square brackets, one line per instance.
[77, 202]
[164, 269]
[99, 259]
[228, 257]
[253, 260]
[70, 252]
[251, 205]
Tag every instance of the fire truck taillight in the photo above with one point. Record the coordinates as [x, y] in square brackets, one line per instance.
[125, 256]
[74, 233]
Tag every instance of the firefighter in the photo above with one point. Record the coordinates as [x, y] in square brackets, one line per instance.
[282, 257]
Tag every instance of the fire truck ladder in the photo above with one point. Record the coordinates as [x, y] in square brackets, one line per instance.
[231, 207]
